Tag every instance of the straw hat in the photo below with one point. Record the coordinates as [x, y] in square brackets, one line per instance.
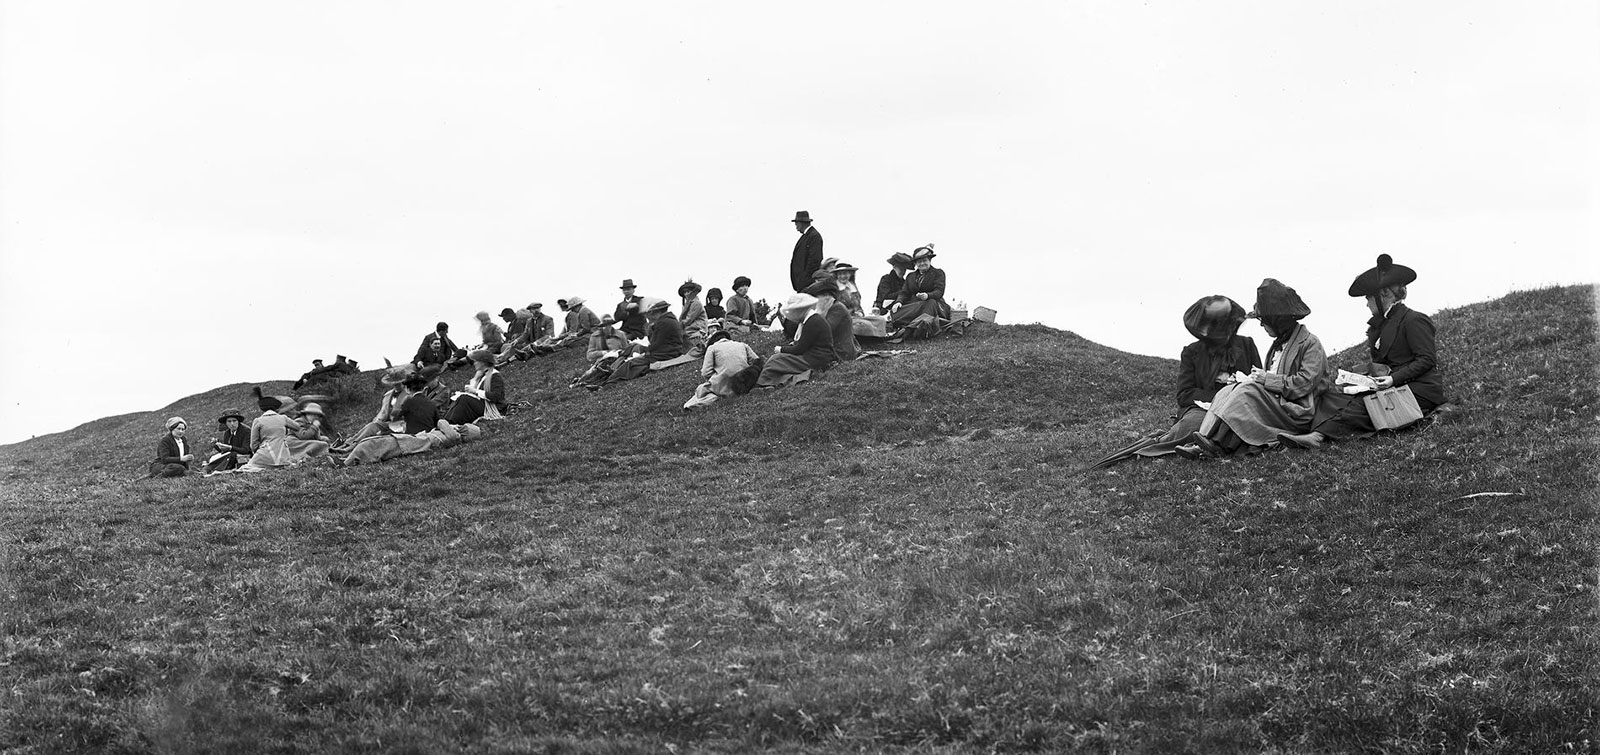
[312, 409]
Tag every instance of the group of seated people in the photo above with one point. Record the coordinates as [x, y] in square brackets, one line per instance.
[1230, 402]
[641, 335]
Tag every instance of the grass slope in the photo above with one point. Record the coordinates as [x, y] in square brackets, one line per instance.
[904, 554]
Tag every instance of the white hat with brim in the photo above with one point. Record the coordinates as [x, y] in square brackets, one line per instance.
[798, 303]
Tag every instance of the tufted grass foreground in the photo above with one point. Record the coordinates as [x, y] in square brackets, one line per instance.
[903, 555]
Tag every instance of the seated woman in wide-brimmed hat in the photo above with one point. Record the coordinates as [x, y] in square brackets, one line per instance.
[1401, 348]
[314, 424]
[891, 283]
[844, 275]
[1204, 368]
[484, 396]
[232, 443]
[810, 351]
[1266, 403]
[172, 451]
[840, 324]
[923, 292]
[272, 441]
[693, 319]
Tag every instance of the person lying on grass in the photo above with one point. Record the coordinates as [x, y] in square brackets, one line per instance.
[1204, 367]
[406, 408]
[172, 451]
[1402, 350]
[730, 368]
[1252, 412]
[382, 448]
[484, 396]
[811, 350]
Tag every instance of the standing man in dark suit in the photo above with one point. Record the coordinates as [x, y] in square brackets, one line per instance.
[807, 259]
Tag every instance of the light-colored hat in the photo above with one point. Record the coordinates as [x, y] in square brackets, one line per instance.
[175, 421]
[575, 301]
[653, 304]
[844, 267]
[312, 409]
[396, 375]
[799, 302]
[482, 316]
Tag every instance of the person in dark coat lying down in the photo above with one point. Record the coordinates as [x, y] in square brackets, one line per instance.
[1403, 351]
[1279, 399]
[810, 351]
[232, 442]
[1204, 367]
[172, 451]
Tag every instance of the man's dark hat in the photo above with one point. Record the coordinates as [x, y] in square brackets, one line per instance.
[1273, 299]
[802, 216]
[508, 313]
[430, 371]
[316, 361]
[718, 335]
[441, 326]
[1212, 316]
[824, 287]
[627, 283]
[741, 281]
[1386, 274]
[900, 259]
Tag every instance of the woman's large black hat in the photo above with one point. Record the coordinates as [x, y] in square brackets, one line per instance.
[1386, 274]
[1273, 299]
[1212, 316]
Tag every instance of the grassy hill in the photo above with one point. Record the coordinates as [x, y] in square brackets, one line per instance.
[904, 554]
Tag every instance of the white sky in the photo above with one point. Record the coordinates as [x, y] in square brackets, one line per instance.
[199, 193]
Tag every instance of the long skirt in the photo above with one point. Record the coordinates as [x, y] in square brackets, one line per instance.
[471, 409]
[1255, 414]
[783, 370]
[1341, 416]
[283, 452]
[915, 309]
